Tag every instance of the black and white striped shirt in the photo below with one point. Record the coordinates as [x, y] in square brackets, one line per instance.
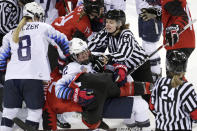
[173, 105]
[123, 49]
[10, 15]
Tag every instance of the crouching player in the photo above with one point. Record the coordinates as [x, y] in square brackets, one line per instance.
[96, 95]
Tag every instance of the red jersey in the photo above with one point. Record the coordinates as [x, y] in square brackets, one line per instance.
[72, 22]
[171, 16]
[59, 105]
[53, 105]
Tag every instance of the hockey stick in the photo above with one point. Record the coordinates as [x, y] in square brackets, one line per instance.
[160, 47]
[23, 125]
[26, 127]
[65, 7]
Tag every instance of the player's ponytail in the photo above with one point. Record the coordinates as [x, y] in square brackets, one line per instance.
[176, 81]
[16, 32]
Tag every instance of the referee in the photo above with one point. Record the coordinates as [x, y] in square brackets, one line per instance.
[173, 100]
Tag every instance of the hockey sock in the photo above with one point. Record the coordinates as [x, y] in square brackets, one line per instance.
[33, 124]
[7, 122]
[136, 88]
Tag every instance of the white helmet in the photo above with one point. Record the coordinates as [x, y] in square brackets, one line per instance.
[34, 9]
[76, 47]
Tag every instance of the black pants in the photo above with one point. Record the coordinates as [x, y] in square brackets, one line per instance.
[143, 73]
[104, 88]
[53, 56]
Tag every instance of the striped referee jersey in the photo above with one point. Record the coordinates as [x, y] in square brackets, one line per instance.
[10, 15]
[123, 48]
[173, 106]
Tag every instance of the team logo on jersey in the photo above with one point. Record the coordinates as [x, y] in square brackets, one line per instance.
[87, 30]
[83, 69]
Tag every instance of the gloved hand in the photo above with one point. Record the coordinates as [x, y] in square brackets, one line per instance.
[172, 35]
[99, 63]
[150, 13]
[82, 96]
[120, 74]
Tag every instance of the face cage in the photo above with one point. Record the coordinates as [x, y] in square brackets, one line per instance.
[75, 58]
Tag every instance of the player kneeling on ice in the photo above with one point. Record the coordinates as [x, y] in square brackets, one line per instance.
[173, 100]
[95, 95]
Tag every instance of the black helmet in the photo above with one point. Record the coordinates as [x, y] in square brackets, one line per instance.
[93, 6]
[176, 62]
[26, 1]
[117, 15]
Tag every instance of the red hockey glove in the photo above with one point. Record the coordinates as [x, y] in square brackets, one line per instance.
[172, 35]
[83, 96]
[120, 74]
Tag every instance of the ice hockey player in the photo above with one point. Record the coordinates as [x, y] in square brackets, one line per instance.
[175, 15]
[150, 32]
[92, 94]
[23, 79]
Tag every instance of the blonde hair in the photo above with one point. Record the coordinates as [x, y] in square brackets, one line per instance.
[16, 32]
[176, 80]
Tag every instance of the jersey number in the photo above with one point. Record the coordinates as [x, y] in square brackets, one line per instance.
[24, 50]
[167, 95]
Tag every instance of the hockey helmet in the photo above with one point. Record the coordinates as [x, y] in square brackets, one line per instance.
[118, 15]
[32, 10]
[176, 62]
[93, 6]
[79, 48]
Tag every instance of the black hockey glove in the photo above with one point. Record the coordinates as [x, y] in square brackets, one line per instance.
[98, 63]
[150, 13]
[172, 35]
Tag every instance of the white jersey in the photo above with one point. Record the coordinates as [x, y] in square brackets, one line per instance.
[115, 4]
[29, 58]
[69, 73]
[143, 4]
[50, 10]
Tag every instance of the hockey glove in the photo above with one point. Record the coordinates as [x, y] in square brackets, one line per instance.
[150, 13]
[172, 35]
[82, 96]
[120, 74]
[99, 63]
